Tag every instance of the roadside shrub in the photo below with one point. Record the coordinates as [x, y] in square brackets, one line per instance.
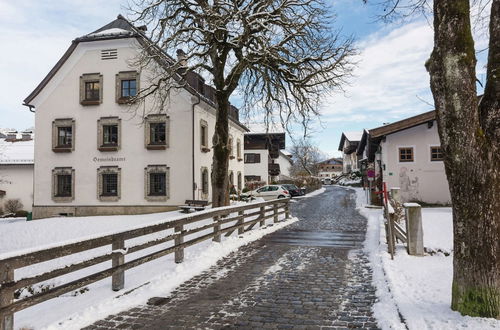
[13, 205]
[1, 210]
[21, 214]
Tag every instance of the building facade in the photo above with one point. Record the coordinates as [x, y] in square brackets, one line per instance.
[96, 154]
[407, 154]
[348, 145]
[330, 168]
[16, 170]
[265, 161]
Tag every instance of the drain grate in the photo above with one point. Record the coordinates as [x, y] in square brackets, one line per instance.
[337, 239]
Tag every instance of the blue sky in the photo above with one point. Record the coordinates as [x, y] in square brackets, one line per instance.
[390, 82]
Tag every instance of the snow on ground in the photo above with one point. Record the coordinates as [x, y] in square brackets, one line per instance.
[418, 288]
[156, 278]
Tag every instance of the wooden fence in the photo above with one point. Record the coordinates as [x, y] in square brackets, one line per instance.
[223, 216]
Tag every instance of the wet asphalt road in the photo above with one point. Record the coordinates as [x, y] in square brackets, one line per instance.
[311, 274]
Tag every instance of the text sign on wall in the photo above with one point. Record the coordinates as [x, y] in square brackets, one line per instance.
[370, 173]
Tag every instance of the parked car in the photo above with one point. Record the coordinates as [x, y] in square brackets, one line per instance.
[269, 192]
[294, 190]
[327, 181]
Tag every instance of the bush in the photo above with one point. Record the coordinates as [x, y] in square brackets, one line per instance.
[1, 210]
[13, 205]
[21, 214]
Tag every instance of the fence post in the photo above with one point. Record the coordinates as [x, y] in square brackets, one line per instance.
[216, 229]
[262, 215]
[6, 297]
[241, 230]
[414, 230]
[287, 210]
[275, 211]
[118, 278]
[179, 239]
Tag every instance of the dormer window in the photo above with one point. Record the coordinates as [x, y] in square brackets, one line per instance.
[91, 89]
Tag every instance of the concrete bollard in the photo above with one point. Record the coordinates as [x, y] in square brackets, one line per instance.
[395, 194]
[414, 229]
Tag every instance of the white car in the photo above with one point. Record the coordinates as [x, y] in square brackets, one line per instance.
[270, 192]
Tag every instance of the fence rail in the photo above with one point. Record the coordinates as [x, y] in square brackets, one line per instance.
[119, 249]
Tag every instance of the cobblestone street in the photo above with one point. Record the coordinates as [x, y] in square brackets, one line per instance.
[312, 274]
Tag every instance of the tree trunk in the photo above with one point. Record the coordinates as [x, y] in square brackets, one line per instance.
[220, 163]
[470, 141]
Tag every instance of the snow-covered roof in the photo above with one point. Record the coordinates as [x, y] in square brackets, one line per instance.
[112, 31]
[19, 152]
[354, 136]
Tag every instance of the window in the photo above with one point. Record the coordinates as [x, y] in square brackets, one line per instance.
[63, 184]
[406, 154]
[156, 183]
[156, 134]
[204, 180]
[239, 182]
[204, 136]
[231, 178]
[63, 132]
[249, 178]
[238, 149]
[109, 183]
[109, 131]
[230, 147]
[436, 154]
[252, 158]
[127, 86]
[110, 135]
[91, 89]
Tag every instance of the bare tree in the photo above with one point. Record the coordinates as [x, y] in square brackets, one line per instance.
[282, 56]
[13, 205]
[305, 157]
[469, 129]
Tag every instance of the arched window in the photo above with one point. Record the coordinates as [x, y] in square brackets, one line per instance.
[231, 178]
[204, 180]
[230, 146]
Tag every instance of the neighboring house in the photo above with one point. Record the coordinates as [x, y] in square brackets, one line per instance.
[98, 155]
[264, 160]
[348, 145]
[407, 154]
[16, 171]
[330, 168]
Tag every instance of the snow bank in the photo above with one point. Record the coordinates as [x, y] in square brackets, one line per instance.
[156, 278]
[311, 194]
[418, 288]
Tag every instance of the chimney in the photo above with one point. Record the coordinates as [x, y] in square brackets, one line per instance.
[142, 28]
[182, 58]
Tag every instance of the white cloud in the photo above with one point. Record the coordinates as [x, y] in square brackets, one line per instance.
[390, 74]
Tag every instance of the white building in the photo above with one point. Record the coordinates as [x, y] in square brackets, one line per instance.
[348, 145]
[265, 161]
[330, 168]
[95, 154]
[407, 154]
[16, 171]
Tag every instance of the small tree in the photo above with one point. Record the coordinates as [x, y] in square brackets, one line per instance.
[13, 205]
[306, 157]
[282, 56]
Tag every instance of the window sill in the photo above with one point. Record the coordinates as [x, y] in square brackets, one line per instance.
[156, 146]
[108, 148]
[125, 100]
[205, 149]
[62, 149]
[90, 102]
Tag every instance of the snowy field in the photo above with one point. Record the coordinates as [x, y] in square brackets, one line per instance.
[156, 278]
[416, 289]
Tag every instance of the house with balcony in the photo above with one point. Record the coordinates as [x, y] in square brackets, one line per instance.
[101, 155]
[348, 146]
[265, 160]
[330, 168]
